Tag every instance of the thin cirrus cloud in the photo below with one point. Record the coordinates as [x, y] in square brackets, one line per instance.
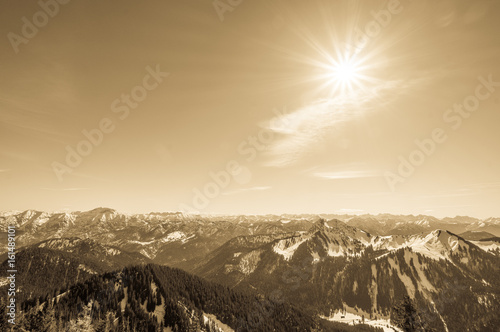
[302, 128]
[338, 175]
[242, 190]
[299, 131]
[352, 170]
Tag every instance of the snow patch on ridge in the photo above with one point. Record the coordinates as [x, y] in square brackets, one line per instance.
[287, 247]
[354, 319]
[436, 245]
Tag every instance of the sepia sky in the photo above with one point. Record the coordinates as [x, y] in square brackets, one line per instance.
[267, 107]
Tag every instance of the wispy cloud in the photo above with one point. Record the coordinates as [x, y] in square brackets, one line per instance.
[4, 170]
[346, 174]
[241, 190]
[343, 171]
[299, 131]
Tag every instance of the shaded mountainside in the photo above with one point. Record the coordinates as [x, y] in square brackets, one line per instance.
[58, 263]
[484, 240]
[476, 235]
[158, 298]
[335, 266]
[111, 257]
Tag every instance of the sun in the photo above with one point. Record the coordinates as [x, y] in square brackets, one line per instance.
[344, 74]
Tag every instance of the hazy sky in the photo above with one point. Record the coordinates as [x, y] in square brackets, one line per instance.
[311, 105]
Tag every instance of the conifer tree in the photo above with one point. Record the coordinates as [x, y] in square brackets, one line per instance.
[406, 316]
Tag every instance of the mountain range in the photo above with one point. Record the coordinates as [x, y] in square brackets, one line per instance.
[164, 237]
[360, 266]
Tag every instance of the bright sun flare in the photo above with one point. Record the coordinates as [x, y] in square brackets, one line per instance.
[344, 74]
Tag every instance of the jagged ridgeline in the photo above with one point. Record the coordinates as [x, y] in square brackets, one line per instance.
[158, 298]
